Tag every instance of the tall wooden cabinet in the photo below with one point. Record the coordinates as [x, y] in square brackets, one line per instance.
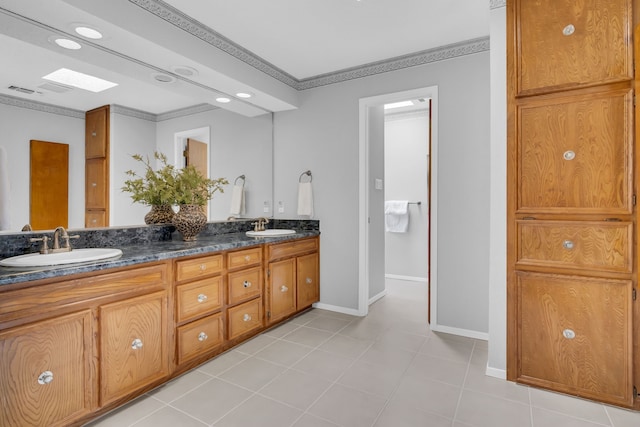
[572, 216]
[97, 167]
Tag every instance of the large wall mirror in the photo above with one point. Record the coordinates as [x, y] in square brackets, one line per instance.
[155, 114]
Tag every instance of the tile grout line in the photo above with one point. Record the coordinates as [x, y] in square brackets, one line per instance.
[464, 380]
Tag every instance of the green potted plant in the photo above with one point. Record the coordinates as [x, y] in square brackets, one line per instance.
[155, 188]
[192, 191]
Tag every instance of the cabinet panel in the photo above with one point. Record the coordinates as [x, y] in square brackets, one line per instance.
[45, 373]
[245, 318]
[282, 289]
[308, 290]
[569, 43]
[133, 345]
[198, 298]
[199, 337]
[244, 285]
[575, 154]
[594, 246]
[96, 184]
[198, 267]
[293, 248]
[576, 335]
[97, 133]
[244, 258]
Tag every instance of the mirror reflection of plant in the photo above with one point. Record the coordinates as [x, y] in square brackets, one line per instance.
[193, 188]
[155, 187]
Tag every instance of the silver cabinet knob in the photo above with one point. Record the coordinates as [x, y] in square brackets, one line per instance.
[136, 344]
[246, 284]
[45, 378]
[284, 288]
[202, 336]
[309, 280]
[94, 184]
[567, 244]
[247, 258]
[568, 334]
[246, 317]
[93, 134]
[202, 298]
[569, 30]
[569, 155]
[203, 267]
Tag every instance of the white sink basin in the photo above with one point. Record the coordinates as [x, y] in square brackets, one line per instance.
[60, 258]
[271, 232]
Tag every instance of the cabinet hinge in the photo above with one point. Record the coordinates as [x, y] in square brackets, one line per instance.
[634, 294]
[635, 392]
[269, 316]
[634, 100]
[633, 199]
[268, 273]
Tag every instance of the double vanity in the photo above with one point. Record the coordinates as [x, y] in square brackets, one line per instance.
[80, 339]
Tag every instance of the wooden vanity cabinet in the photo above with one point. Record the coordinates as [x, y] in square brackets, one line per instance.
[292, 277]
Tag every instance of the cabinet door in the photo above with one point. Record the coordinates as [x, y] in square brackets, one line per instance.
[281, 289]
[575, 335]
[133, 346]
[575, 154]
[96, 184]
[97, 132]
[45, 373]
[568, 43]
[308, 290]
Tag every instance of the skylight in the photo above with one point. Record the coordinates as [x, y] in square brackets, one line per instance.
[80, 80]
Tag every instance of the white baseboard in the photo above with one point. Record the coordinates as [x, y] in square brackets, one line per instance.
[496, 373]
[407, 278]
[377, 297]
[461, 332]
[337, 309]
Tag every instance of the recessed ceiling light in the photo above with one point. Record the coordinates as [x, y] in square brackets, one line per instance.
[244, 94]
[80, 80]
[66, 43]
[398, 104]
[88, 32]
[185, 71]
[223, 100]
[163, 78]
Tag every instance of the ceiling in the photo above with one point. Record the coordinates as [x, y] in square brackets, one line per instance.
[268, 48]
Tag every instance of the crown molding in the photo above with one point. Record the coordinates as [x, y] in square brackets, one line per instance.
[187, 111]
[40, 106]
[186, 23]
[495, 4]
[132, 112]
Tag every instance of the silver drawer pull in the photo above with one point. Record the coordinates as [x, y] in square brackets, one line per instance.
[247, 258]
[568, 334]
[45, 378]
[202, 298]
[136, 344]
[202, 336]
[569, 30]
[567, 244]
[246, 284]
[309, 280]
[284, 288]
[569, 155]
[203, 267]
[246, 317]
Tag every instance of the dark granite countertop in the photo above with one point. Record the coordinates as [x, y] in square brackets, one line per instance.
[149, 252]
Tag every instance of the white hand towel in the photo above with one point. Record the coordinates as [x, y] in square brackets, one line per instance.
[237, 200]
[5, 213]
[305, 199]
[396, 216]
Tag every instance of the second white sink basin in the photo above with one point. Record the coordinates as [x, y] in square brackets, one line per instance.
[60, 258]
[271, 232]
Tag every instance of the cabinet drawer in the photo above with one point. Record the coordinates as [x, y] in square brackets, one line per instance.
[244, 258]
[95, 218]
[244, 285]
[199, 337]
[593, 246]
[575, 154]
[198, 298]
[245, 318]
[577, 44]
[283, 250]
[575, 335]
[198, 267]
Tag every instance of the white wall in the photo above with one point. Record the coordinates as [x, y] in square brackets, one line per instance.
[239, 146]
[406, 146]
[20, 125]
[497, 363]
[323, 136]
[128, 136]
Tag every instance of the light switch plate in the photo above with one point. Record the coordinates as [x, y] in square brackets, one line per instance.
[378, 184]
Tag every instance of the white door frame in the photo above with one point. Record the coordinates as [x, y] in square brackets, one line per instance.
[430, 92]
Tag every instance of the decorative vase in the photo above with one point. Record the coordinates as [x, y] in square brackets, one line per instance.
[190, 220]
[159, 214]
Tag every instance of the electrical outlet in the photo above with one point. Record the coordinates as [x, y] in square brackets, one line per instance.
[280, 207]
[265, 207]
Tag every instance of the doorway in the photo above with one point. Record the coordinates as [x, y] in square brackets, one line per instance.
[371, 181]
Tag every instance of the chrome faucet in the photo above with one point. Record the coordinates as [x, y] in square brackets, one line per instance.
[259, 224]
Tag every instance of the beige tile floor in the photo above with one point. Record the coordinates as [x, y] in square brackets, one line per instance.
[325, 369]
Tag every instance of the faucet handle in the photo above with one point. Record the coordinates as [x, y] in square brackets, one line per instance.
[45, 243]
